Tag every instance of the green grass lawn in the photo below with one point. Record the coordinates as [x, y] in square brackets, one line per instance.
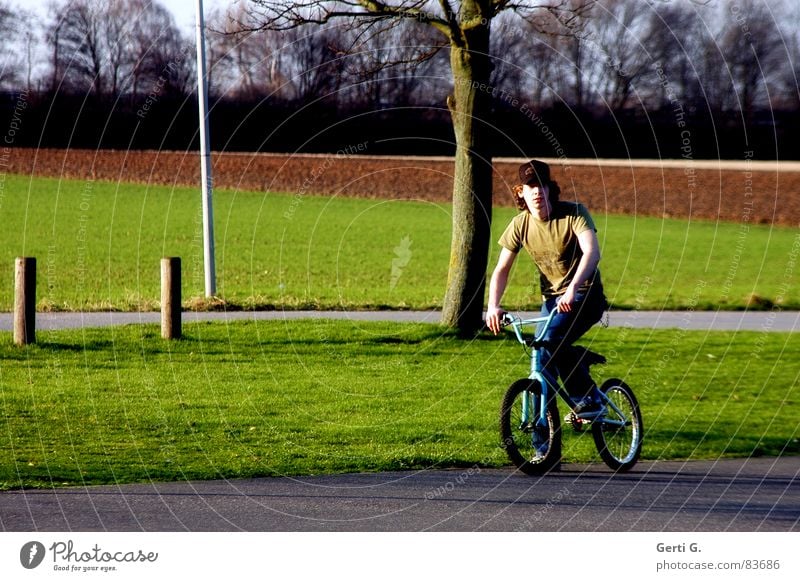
[275, 398]
[98, 246]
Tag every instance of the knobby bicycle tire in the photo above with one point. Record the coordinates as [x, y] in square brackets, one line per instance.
[533, 450]
[619, 446]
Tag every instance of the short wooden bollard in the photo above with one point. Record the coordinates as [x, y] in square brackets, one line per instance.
[25, 301]
[171, 298]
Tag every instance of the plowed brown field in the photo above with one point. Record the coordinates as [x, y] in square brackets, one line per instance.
[749, 192]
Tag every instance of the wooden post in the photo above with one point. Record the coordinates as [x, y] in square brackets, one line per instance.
[25, 301]
[171, 298]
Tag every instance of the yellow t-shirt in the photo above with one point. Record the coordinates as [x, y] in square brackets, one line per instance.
[553, 245]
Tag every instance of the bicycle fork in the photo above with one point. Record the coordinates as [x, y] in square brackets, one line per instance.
[534, 413]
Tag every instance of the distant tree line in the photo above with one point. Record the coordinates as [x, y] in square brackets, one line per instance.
[621, 78]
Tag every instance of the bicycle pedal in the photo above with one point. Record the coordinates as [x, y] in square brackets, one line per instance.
[575, 422]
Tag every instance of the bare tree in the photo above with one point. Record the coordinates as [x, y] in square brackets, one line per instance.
[54, 41]
[752, 43]
[9, 66]
[621, 32]
[158, 54]
[572, 38]
[297, 64]
[390, 68]
[314, 69]
[464, 27]
[246, 65]
[106, 47]
[512, 44]
[671, 44]
[789, 87]
[540, 76]
[75, 34]
[19, 34]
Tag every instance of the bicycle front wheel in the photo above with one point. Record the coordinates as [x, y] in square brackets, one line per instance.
[532, 446]
[618, 433]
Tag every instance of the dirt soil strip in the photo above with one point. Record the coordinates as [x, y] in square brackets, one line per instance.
[740, 191]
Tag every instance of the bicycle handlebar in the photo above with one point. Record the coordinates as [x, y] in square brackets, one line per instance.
[516, 324]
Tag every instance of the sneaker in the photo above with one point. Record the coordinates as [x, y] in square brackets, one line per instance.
[587, 406]
[540, 444]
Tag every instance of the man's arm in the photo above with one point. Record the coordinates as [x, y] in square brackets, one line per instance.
[497, 286]
[590, 247]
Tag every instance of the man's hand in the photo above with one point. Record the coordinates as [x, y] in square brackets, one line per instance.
[494, 316]
[566, 301]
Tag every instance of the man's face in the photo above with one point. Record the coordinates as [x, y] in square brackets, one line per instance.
[537, 199]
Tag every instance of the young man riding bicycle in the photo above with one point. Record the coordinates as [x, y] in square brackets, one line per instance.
[561, 239]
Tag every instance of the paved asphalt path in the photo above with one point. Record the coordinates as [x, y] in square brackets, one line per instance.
[760, 494]
[688, 320]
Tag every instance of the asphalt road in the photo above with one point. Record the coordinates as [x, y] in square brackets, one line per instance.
[753, 495]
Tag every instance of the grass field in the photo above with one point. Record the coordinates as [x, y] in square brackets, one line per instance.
[98, 246]
[275, 398]
[246, 399]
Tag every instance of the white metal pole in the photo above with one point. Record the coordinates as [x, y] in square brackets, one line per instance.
[205, 156]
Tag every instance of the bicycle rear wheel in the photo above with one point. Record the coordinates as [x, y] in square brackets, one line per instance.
[533, 448]
[618, 433]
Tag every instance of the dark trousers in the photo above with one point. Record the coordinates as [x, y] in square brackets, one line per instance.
[566, 328]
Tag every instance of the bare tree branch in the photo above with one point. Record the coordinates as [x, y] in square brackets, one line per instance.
[277, 15]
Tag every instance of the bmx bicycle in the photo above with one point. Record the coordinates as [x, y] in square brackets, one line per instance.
[530, 426]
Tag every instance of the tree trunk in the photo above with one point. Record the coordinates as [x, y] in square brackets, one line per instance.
[470, 108]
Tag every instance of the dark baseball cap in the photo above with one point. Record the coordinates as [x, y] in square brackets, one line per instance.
[534, 172]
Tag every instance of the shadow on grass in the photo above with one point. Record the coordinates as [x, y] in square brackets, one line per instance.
[699, 444]
[24, 352]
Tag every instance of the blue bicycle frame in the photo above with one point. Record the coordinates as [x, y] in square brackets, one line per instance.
[532, 436]
[544, 377]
